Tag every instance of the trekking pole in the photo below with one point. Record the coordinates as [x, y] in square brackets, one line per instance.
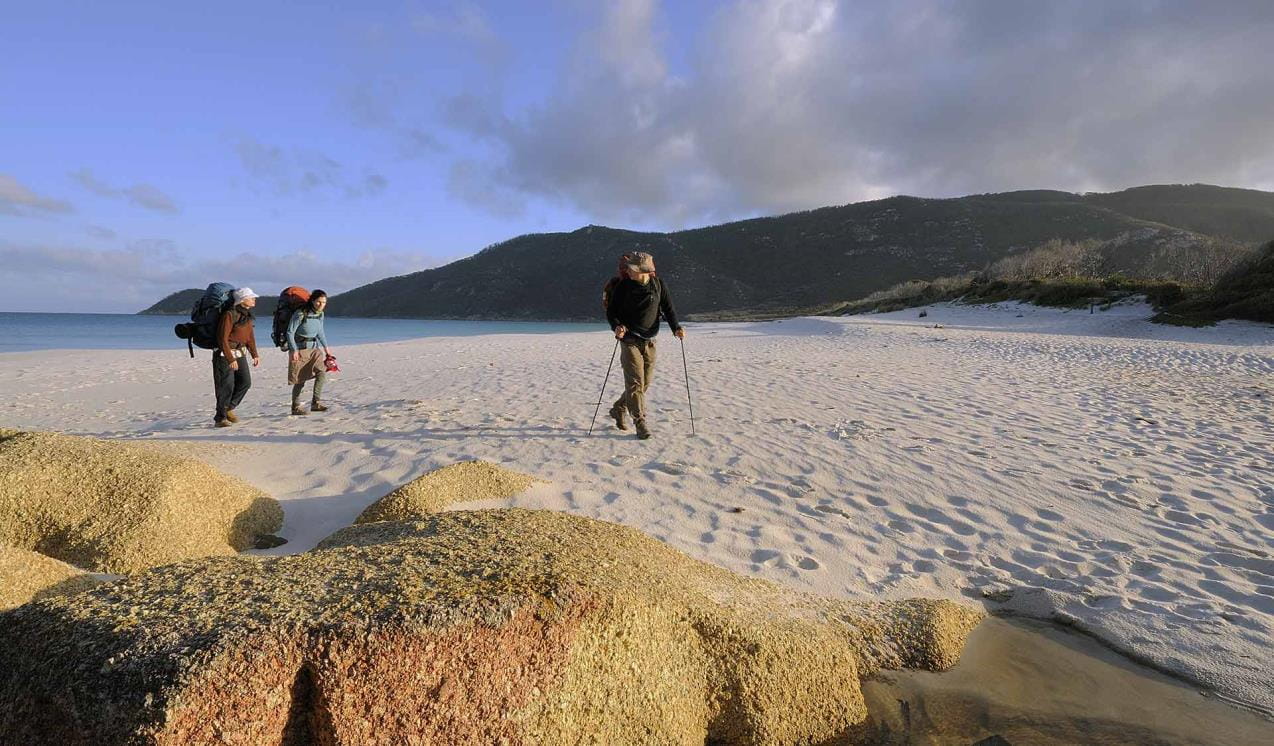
[686, 368]
[604, 380]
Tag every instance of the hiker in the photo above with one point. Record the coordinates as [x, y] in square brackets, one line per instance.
[637, 302]
[308, 352]
[620, 275]
[231, 377]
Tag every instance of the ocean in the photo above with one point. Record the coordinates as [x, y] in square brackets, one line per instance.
[107, 331]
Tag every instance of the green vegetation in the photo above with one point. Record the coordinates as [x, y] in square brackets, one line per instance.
[1061, 292]
[1245, 292]
[1070, 275]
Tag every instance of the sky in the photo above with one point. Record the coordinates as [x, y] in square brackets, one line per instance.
[147, 147]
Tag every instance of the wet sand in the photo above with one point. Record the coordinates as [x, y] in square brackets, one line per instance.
[1027, 682]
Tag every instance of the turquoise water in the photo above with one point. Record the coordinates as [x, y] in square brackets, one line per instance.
[104, 331]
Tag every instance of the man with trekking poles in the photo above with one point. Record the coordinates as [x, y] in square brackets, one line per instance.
[635, 303]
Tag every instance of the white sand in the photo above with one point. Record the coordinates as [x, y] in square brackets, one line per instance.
[1095, 468]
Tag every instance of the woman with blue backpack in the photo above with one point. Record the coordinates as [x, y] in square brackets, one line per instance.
[307, 352]
[236, 340]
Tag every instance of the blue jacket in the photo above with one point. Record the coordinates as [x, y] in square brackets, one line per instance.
[307, 325]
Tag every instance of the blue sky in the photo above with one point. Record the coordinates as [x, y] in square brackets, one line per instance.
[151, 146]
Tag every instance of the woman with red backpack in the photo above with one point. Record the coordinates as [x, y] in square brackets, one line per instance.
[308, 352]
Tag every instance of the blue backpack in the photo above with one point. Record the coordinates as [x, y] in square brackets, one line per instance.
[202, 329]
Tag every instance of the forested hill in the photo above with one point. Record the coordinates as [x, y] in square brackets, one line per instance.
[803, 260]
[180, 303]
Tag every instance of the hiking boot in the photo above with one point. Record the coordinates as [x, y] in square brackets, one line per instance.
[617, 413]
[221, 423]
[643, 432]
[230, 415]
[296, 409]
[316, 407]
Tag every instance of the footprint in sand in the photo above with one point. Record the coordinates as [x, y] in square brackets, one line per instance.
[800, 487]
[675, 468]
[831, 510]
[775, 559]
[1241, 548]
[808, 563]
[726, 476]
[855, 430]
[1049, 515]
[1103, 602]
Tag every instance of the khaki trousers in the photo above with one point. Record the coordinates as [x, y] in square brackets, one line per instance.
[638, 361]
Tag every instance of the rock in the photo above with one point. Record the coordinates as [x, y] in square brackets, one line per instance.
[25, 575]
[466, 481]
[494, 626]
[268, 541]
[119, 507]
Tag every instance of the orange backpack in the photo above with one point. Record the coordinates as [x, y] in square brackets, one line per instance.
[290, 300]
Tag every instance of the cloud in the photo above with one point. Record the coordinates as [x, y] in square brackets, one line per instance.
[141, 195]
[792, 104]
[16, 199]
[102, 232]
[476, 183]
[299, 171]
[465, 21]
[52, 277]
[391, 103]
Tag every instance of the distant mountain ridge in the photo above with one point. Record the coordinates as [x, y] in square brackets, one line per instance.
[180, 303]
[800, 261]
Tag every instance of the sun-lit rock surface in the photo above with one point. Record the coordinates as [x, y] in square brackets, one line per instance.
[25, 575]
[466, 481]
[494, 626]
[118, 507]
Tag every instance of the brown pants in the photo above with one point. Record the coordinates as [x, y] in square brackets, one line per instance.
[638, 361]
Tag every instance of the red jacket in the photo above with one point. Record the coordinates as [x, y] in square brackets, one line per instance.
[234, 331]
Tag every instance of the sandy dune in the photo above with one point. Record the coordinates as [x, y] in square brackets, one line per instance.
[1095, 468]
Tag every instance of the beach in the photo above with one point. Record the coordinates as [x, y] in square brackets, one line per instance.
[1087, 468]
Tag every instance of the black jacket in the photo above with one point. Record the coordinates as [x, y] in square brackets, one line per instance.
[639, 307]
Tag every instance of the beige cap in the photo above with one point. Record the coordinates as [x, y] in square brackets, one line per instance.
[640, 261]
